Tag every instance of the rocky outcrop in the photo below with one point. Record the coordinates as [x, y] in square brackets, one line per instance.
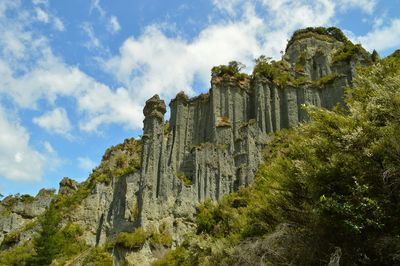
[67, 186]
[211, 145]
[20, 211]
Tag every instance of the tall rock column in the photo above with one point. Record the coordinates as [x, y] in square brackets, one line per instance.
[152, 156]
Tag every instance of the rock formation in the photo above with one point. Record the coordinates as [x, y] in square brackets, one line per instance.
[211, 145]
[17, 213]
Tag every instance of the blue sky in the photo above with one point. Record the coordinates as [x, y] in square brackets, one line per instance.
[74, 75]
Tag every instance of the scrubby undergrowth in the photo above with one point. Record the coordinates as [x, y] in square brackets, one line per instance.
[328, 190]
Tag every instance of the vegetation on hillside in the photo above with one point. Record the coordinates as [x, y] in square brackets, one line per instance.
[233, 69]
[57, 240]
[326, 34]
[328, 190]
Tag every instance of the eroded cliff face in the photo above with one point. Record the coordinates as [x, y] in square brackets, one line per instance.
[211, 146]
[18, 213]
[212, 143]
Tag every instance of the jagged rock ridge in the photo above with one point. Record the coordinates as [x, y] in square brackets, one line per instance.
[211, 145]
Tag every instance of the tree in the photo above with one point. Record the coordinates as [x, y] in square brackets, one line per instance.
[374, 56]
[49, 242]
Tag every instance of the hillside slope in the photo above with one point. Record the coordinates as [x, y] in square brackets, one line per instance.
[142, 199]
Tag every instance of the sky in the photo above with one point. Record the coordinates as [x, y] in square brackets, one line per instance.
[74, 75]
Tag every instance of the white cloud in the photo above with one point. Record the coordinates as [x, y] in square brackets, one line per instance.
[18, 160]
[93, 42]
[228, 6]
[104, 106]
[41, 15]
[113, 25]
[38, 2]
[383, 37]
[55, 121]
[58, 24]
[368, 6]
[46, 17]
[95, 5]
[86, 163]
[48, 147]
[155, 63]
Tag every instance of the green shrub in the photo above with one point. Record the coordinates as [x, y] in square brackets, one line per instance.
[120, 160]
[231, 70]
[134, 240]
[347, 52]
[163, 238]
[185, 180]
[175, 257]
[16, 256]
[331, 183]
[98, 256]
[27, 198]
[11, 239]
[327, 79]
[167, 128]
[264, 68]
[326, 34]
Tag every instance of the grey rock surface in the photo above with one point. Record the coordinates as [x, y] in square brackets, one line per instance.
[211, 145]
[18, 211]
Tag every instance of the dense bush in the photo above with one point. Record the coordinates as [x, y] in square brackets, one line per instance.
[17, 256]
[263, 67]
[327, 188]
[56, 242]
[98, 256]
[319, 32]
[185, 180]
[134, 240]
[231, 70]
[347, 52]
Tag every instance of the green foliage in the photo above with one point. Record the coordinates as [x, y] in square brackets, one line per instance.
[98, 256]
[54, 242]
[326, 34]
[10, 201]
[134, 240]
[160, 237]
[117, 161]
[167, 128]
[375, 56]
[26, 198]
[17, 256]
[277, 73]
[347, 52]
[177, 257]
[264, 68]
[120, 160]
[334, 183]
[226, 218]
[185, 180]
[231, 70]
[47, 244]
[328, 79]
[10, 239]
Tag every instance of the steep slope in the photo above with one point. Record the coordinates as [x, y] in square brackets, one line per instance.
[142, 199]
[327, 193]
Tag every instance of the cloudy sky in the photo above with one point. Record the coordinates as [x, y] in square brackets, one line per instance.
[74, 74]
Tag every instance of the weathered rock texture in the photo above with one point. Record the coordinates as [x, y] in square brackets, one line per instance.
[17, 212]
[212, 143]
[210, 146]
